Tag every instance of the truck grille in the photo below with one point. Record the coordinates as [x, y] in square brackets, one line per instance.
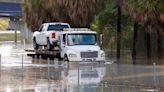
[93, 54]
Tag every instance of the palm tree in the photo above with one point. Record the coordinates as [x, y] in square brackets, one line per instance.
[150, 14]
[32, 13]
[79, 13]
[82, 12]
[135, 35]
[118, 31]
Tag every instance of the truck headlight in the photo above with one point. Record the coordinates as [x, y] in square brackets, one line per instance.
[103, 55]
[72, 55]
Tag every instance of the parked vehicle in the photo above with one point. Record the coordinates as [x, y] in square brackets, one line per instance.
[48, 35]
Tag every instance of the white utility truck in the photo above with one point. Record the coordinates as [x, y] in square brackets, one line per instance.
[80, 44]
[73, 44]
[48, 34]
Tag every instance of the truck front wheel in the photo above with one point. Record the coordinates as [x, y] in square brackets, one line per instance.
[65, 58]
[35, 45]
[66, 61]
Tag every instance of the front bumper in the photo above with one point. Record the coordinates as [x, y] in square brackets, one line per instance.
[88, 59]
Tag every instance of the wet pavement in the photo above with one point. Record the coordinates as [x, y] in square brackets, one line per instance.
[19, 73]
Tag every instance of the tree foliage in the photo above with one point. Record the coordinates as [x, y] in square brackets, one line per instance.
[79, 13]
[106, 23]
[147, 12]
[150, 14]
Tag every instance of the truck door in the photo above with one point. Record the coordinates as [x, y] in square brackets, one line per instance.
[38, 35]
[63, 45]
[42, 36]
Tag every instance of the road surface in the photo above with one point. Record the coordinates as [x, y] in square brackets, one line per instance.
[38, 75]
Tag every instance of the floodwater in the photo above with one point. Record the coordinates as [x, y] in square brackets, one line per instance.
[20, 73]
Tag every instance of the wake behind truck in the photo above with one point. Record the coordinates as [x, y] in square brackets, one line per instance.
[76, 44]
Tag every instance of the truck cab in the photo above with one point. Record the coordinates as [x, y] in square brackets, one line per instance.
[80, 45]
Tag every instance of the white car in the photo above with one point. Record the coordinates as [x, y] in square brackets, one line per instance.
[48, 35]
[80, 46]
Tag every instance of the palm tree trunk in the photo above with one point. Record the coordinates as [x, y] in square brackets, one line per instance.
[118, 31]
[135, 37]
[159, 44]
[148, 44]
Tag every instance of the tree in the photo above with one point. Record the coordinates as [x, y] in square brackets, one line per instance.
[106, 23]
[118, 31]
[41, 11]
[79, 13]
[135, 35]
[149, 13]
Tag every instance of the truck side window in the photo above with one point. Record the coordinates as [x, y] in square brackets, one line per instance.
[64, 38]
[41, 28]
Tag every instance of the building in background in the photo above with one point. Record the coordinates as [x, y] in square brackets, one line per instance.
[12, 10]
[12, 1]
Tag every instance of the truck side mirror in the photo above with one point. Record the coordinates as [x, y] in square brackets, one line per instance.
[101, 39]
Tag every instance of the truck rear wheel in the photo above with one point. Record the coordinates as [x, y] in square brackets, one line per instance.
[35, 45]
[59, 57]
[49, 46]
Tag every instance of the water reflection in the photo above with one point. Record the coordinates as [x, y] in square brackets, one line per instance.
[90, 75]
[53, 78]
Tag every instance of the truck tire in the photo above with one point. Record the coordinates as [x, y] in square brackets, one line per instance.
[65, 59]
[35, 45]
[59, 57]
[49, 46]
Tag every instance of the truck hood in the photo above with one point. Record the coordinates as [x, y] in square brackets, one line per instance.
[84, 48]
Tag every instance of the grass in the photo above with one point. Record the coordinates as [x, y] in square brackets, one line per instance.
[9, 37]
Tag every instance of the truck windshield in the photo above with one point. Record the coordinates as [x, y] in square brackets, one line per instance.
[57, 27]
[82, 39]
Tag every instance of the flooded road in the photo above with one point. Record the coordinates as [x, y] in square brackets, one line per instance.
[19, 73]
